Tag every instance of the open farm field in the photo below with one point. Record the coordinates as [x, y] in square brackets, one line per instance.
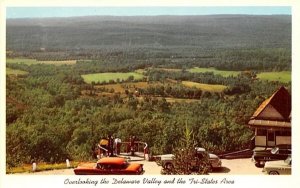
[15, 71]
[174, 100]
[170, 70]
[179, 100]
[215, 71]
[101, 77]
[22, 61]
[141, 85]
[282, 76]
[34, 61]
[116, 87]
[205, 87]
[140, 71]
[67, 62]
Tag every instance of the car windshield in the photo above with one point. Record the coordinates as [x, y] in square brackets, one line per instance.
[124, 165]
[112, 166]
[274, 150]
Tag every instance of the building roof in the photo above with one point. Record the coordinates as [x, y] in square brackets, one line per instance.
[277, 108]
[269, 124]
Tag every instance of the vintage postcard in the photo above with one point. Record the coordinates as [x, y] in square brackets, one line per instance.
[170, 94]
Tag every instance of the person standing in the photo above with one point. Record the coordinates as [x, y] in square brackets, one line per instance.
[132, 147]
[111, 145]
[103, 147]
[118, 145]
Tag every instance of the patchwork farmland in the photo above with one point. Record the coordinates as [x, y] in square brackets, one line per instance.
[205, 87]
[281, 76]
[215, 71]
[34, 61]
[107, 77]
[10, 71]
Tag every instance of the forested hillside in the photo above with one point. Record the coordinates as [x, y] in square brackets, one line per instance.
[53, 113]
[238, 42]
[167, 33]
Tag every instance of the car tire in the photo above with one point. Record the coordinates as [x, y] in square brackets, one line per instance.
[210, 168]
[273, 173]
[169, 166]
[259, 164]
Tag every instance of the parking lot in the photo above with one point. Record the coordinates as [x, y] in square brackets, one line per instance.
[229, 167]
[238, 167]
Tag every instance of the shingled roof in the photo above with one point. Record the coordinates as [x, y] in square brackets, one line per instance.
[275, 108]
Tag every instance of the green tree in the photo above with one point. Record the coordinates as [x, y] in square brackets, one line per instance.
[185, 157]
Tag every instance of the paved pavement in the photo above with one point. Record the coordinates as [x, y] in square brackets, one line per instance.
[229, 167]
[238, 167]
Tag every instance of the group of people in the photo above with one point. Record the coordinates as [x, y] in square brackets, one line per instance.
[111, 146]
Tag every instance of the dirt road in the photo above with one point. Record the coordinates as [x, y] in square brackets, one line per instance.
[229, 167]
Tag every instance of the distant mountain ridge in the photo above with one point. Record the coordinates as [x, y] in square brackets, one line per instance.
[153, 32]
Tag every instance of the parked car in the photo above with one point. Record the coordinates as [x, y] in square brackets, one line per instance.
[109, 166]
[166, 161]
[279, 152]
[278, 167]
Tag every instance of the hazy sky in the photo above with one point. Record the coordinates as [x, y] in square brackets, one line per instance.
[30, 12]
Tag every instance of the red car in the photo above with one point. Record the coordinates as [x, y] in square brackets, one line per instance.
[110, 166]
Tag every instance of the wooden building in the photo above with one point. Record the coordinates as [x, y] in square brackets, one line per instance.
[272, 120]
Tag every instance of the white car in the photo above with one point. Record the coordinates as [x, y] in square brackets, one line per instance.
[166, 161]
[282, 167]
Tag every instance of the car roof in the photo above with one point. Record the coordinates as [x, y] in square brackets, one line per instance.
[112, 160]
[199, 149]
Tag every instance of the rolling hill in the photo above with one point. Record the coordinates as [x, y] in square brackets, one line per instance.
[176, 33]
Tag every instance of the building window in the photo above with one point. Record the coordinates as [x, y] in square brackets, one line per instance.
[271, 136]
[283, 133]
[261, 132]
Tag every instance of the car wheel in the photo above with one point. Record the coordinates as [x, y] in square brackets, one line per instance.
[273, 173]
[169, 166]
[210, 168]
[259, 164]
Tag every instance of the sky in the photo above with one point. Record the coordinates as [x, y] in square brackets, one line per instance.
[40, 12]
